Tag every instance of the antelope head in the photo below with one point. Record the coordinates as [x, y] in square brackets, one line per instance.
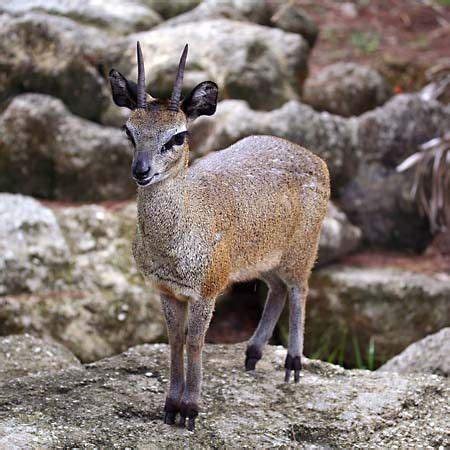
[157, 129]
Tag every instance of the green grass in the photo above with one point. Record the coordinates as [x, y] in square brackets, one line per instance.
[366, 41]
[347, 348]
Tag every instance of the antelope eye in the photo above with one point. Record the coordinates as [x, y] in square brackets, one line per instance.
[176, 139]
[129, 135]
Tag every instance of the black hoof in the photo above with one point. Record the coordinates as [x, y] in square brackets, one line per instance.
[170, 411]
[169, 418]
[252, 356]
[189, 411]
[292, 364]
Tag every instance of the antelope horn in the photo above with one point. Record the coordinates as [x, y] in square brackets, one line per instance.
[176, 92]
[141, 94]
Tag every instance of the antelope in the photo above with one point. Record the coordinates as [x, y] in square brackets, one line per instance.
[251, 211]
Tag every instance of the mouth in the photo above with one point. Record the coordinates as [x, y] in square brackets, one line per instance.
[146, 181]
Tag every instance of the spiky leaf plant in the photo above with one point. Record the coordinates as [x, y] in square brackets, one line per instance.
[431, 186]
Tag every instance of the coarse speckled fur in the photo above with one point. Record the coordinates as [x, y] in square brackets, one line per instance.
[253, 210]
[238, 213]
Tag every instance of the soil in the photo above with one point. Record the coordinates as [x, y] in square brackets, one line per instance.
[401, 38]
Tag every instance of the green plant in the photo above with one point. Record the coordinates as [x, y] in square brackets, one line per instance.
[343, 351]
[431, 185]
[366, 41]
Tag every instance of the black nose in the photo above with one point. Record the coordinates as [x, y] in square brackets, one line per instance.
[141, 169]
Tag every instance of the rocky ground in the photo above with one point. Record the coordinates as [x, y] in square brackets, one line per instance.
[117, 402]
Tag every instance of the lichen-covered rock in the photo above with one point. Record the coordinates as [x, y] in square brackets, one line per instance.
[391, 133]
[56, 56]
[378, 198]
[288, 17]
[393, 307]
[118, 402]
[23, 355]
[171, 8]
[429, 355]
[244, 59]
[47, 152]
[69, 273]
[346, 89]
[331, 137]
[338, 236]
[120, 16]
[34, 256]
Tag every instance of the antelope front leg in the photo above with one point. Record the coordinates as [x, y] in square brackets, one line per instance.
[200, 312]
[175, 312]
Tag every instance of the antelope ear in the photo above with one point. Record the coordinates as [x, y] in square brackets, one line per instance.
[124, 92]
[202, 101]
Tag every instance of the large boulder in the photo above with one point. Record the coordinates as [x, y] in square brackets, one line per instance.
[289, 16]
[331, 137]
[170, 9]
[47, 152]
[34, 256]
[346, 89]
[68, 273]
[429, 355]
[117, 402]
[263, 65]
[23, 355]
[378, 199]
[338, 236]
[122, 16]
[57, 56]
[351, 309]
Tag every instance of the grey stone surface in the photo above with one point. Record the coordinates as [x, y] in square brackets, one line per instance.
[346, 89]
[338, 236]
[47, 152]
[118, 402]
[288, 16]
[68, 273]
[331, 137]
[56, 56]
[120, 16]
[429, 355]
[168, 9]
[244, 59]
[34, 256]
[392, 306]
[23, 355]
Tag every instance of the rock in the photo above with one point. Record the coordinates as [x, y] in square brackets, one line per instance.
[34, 256]
[393, 132]
[286, 16]
[57, 56]
[290, 16]
[68, 273]
[47, 152]
[118, 402]
[123, 16]
[331, 137]
[244, 59]
[172, 8]
[350, 306]
[23, 355]
[338, 236]
[430, 355]
[346, 89]
[361, 152]
[378, 198]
